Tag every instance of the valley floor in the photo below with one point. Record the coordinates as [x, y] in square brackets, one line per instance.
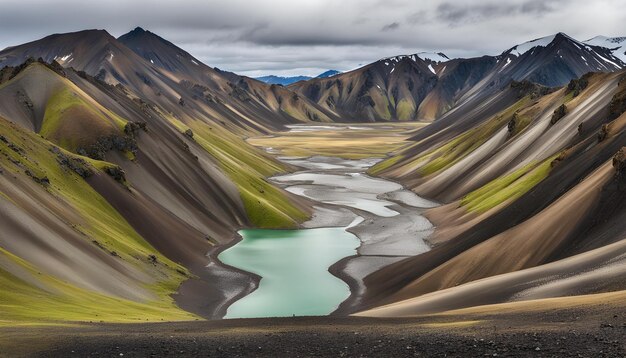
[574, 326]
[331, 161]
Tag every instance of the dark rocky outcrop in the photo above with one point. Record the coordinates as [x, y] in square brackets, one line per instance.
[618, 102]
[77, 165]
[619, 163]
[132, 128]
[116, 173]
[103, 145]
[43, 180]
[576, 86]
[558, 114]
[512, 124]
[603, 133]
[528, 88]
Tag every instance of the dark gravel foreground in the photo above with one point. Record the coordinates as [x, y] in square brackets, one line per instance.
[600, 332]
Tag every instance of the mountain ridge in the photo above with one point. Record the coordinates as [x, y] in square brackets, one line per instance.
[550, 61]
[284, 81]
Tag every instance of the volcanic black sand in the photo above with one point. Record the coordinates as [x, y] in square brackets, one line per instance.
[583, 331]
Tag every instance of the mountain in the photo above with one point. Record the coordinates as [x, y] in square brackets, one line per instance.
[164, 54]
[171, 79]
[278, 80]
[431, 83]
[617, 45]
[533, 181]
[284, 81]
[387, 89]
[93, 51]
[555, 60]
[328, 73]
[149, 158]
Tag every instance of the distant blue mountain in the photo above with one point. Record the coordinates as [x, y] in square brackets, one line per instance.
[328, 73]
[278, 80]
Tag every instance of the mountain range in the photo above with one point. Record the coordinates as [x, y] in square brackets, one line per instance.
[423, 87]
[123, 161]
[278, 80]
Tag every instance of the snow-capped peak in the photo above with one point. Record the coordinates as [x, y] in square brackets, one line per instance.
[527, 46]
[617, 45]
[608, 42]
[436, 57]
[433, 56]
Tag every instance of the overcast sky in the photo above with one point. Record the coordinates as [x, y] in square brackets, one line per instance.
[290, 37]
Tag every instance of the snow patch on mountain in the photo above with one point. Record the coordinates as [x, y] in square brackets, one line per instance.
[529, 45]
[436, 57]
[617, 45]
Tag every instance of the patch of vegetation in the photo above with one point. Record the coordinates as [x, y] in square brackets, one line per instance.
[384, 165]
[21, 302]
[464, 144]
[73, 123]
[379, 141]
[100, 222]
[405, 110]
[266, 205]
[507, 188]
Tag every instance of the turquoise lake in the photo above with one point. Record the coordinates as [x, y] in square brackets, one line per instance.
[294, 266]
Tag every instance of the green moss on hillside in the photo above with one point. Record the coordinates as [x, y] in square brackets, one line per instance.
[24, 152]
[385, 164]
[507, 188]
[71, 121]
[405, 110]
[266, 205]
[22, 303]
[464, 144]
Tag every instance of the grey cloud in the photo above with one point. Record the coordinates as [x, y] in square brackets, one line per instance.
[390, 27]
[285, 36]
[418, 17]
[456, 13]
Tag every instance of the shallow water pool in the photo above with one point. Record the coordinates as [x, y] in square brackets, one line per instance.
[294, 266]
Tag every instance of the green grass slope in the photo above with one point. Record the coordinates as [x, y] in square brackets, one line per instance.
[27, 157]
[266, 205]
[71, 121]
[507, 188]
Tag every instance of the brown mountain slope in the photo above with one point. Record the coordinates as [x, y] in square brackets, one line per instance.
[412, 88]
[535, 212]
[173, 81]
[387, 89]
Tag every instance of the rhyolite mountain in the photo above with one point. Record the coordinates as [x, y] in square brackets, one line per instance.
[174, 78]
[424, 86]
[390, 88]
[139, 152]
[533, 180]
[280, 80]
